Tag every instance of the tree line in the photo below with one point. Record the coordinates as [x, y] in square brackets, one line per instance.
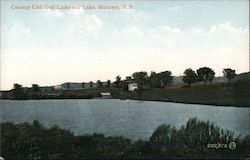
[145, 81]
[163, 79]
[205, 75]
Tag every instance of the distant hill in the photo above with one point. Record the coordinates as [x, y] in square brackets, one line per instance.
[239, 77]
[243, 76]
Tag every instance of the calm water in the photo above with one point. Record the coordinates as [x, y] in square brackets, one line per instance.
[133, 119]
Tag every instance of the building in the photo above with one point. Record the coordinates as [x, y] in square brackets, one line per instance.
[132, 86]
[46, 88]
[76, 86]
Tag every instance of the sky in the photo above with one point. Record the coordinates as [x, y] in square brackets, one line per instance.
[52, 46]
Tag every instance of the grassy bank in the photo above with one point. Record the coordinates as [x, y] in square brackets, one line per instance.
[237, 94]
[196, 139]
[234, 95]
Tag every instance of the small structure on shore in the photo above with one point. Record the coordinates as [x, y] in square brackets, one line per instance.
[105, 95]
[132, 86]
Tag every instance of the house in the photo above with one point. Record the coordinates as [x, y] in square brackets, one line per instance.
[105, 95]
[132, 86]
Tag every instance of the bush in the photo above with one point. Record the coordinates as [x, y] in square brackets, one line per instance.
[34, 141]
[191, 141]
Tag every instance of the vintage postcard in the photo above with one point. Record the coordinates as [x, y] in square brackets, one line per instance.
[124, 79]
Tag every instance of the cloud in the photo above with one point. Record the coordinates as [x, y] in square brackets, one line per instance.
[175, 9]
[18, 36]
[84, 41]
[77, 12]
[221, 45]
[132, 34]
[65, 31]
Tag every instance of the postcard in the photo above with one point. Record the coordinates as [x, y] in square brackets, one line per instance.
[125, 79]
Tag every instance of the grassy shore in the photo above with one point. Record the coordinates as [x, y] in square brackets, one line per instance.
[237, 94]
[212, 95]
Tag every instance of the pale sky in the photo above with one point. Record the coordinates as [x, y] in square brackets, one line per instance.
[50, 47]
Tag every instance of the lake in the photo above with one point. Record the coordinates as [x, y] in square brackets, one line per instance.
[129, 118]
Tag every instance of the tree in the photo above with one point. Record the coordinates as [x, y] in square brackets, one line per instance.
[118, 81]
[83, 84]
[99, 84]
[91, 84]
[166, 78]
[140, 78]
[189, 76]
[35, 87]
[154, 80]
[205, 74]
[229, 74]
[128, 78]
[108, 83]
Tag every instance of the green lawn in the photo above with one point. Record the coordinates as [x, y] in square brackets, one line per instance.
[234, 95]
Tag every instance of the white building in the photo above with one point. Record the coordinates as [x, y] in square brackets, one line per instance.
[58, 87]
[132, 86]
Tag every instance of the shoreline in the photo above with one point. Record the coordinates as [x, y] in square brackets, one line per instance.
[235, 95]
[196, 103]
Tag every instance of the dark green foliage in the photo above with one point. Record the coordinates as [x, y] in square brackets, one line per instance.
[205, 74]
[99, 146]
[166, 77]
[229, 73]
[189, 76]
[140, 78]
[35, 87]
[191, 141]
[34, 141]
[155, 81]
[159, 80]
[83, 85]
[108, 84]
[91, 84]
[118, 82]
[99, 84]
[128, 78]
